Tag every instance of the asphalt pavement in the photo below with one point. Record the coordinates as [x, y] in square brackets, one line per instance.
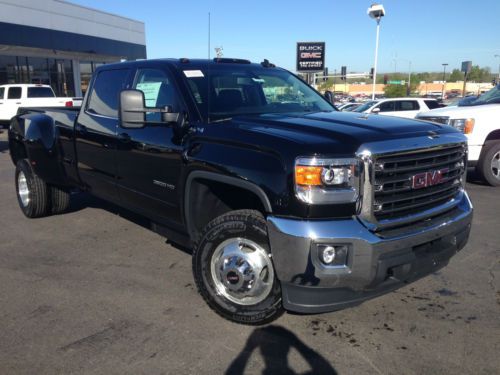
[94, 291]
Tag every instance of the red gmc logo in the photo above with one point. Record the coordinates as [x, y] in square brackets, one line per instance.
[426, 179]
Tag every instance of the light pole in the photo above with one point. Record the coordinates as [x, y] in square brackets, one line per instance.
[376, 11]
[498, 56]
[444, 78]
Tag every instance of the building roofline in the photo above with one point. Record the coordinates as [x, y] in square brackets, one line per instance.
[99, 11]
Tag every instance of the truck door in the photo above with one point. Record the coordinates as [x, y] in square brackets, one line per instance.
[11, 102]
[95, 133]
[149, 158]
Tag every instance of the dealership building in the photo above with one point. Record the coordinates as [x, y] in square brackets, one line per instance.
[58, 43]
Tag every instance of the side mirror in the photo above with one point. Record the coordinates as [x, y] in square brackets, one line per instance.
[132, 111]
[329, 96]
[376, 110]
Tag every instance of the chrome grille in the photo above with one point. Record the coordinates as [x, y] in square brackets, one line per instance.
[395, 195]
[439, 119]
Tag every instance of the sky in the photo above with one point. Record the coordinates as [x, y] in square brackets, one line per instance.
[427, 33]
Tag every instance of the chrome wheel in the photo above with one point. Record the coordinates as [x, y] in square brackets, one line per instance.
[22, 189]
[242, 271]
[495, 165]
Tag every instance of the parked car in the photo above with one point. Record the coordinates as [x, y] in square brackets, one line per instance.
[348, 107]
[401, 107]
[14, 96]
[478, 118]
[285, 204]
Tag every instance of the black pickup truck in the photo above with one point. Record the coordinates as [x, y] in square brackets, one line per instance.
[285, 202]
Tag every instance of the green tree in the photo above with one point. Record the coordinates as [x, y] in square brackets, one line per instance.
[394, 91]
[456, 75]
[478, 74]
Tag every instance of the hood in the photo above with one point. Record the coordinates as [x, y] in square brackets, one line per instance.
[323, 132]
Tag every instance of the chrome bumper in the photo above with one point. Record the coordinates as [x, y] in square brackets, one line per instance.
[375, 264]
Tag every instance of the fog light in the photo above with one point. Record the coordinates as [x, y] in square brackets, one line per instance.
[328, 254]
[333, 255]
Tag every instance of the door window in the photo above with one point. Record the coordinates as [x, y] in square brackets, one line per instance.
[386, 107]
[14, 93]
[407, 105]
[159, 91]
[106, 89]
[2, 90]
[432, 104]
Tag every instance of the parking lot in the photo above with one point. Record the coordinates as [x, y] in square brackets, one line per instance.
[95, 291]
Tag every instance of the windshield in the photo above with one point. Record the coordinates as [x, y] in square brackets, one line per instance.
[365, 106]
[244, 90]
[491, 97]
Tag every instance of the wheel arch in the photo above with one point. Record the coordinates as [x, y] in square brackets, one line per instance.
[206, 197]
[493, 136]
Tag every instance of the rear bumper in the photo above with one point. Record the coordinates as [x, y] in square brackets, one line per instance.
[375, 265]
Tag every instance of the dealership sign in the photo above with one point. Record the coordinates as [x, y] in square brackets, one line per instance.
[310, 56]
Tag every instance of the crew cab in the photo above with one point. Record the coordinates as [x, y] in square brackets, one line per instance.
[401, 107]
[478, 118]
[286, 203]
[12, 97]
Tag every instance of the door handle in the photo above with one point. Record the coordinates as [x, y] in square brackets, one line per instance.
[19, 103]
[124, 137]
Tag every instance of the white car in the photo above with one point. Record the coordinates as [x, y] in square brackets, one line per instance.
[348, 107]
[479, 120]
[401, 107]
[30, 95]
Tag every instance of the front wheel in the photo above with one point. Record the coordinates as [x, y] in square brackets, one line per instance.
[233, 269]
[32, 192]
[489, 163]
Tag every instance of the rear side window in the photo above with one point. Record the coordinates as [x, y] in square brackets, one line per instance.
[432, 104]
[14, 93]
[105, 92]
[40, 92]
[407, 105]
[386, 107]
[2, 92]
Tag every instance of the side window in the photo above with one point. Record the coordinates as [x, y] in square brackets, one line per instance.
[105, 93]
[2, 91]
[386, 107]
[159, 91]
[407, 105]
[14, 93]
[432, 104]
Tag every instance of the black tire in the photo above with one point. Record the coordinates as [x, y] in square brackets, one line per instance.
[59, 200]
[489, 154]
[245, 225]
[35, 192]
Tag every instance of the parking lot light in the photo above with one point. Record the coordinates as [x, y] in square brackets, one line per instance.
[376, 11]
[444, 79]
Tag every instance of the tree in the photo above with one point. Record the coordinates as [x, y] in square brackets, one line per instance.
[478, 74]
[394, 91]
[456, 75]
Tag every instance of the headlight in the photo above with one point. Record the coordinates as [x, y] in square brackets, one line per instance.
[465, 125]
[327, 181]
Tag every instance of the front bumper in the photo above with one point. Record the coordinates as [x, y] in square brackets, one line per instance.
[375, 265]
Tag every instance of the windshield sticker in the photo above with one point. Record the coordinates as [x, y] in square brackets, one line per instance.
[150, 90]
[193, 73]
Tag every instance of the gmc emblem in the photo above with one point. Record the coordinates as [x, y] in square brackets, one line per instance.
[423, 180]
